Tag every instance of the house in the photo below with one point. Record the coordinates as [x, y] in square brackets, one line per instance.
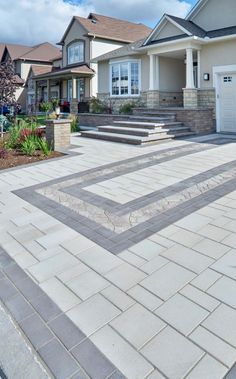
[184, 62]
[25, 58]
[83, 40]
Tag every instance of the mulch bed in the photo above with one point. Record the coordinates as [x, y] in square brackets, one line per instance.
[16, 158]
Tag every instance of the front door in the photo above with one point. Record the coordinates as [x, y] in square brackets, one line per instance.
[227, 102]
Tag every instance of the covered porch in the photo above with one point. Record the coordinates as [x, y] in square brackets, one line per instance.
[174, 76]
[71, 86]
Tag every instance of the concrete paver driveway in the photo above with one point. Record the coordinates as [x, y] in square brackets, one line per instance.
[120, 262]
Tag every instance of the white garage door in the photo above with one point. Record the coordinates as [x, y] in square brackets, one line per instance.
[227, 103]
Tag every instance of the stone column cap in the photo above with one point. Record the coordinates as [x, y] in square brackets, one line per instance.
[59, 121]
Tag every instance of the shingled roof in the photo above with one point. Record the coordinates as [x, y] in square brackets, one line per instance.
[45, 52]
[111, 28]
[129, 49]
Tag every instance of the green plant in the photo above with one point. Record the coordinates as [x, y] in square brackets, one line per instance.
[43, 145]
[74, 123]
[29, 146]
[13, 136]
[55, 103]
[97, 106]
[46, 107]
[127, 108]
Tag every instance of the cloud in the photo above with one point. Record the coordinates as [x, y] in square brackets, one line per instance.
[33, 21]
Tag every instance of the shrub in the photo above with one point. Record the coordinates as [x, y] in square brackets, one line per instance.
[74, 122]
[96, 106]
[24, 134]
[43, 145]
[127, 108]
[45, 107]
[3, 153]
[29, 146]
[13, 137]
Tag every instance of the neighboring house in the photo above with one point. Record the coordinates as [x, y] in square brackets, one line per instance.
[84, 39]
[24, 58]
[187, 62]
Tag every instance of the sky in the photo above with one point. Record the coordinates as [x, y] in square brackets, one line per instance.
[31, 22]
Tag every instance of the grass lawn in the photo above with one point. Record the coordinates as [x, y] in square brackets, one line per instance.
[40, 119]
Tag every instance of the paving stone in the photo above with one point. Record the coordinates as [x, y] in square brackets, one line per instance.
[35, 329]
[226, 265]
[59, 361]
[131, 258]
[206, 279]
[188, 258]
[144, 297]
[78, 244]
[137, 325]
[211, 248]
[80, 375]
[165, 242]
[71, 273]
[226, 329]
[214, 346]
[96, 365]
[172, 354]
[19, 308]
[7, 290]
[29, 289]
[117, 375]
[87, 284]
[208, 368]
[155, 375]
[230, 240]
[119, 298]
[69, 334]
[224, 290]
[194, 222]
[15, 273]
[232, 373]
[93, 314]
[154, 265]
[147, 249]
[52, 266]
[60, 294]
[167, 281]
[186, 238]
[5, 260]
[214, 233]
[125, 276]
[99, 259]
[25, 259]
[182, 314]
[199, 297]
[121, 354]
[45, 307]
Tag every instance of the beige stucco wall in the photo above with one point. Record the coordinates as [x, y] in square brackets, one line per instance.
[169, 30]
[172, 74]
[76, 32]
[216, 14]
[217, 54]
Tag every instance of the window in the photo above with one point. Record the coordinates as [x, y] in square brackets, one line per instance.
[227, 79]
[80, 84]
[125, 79]
[76, 52]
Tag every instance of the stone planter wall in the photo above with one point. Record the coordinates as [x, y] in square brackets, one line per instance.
[58, 133]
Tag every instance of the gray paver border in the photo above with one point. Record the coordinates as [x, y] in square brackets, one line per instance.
[111, 241]
[41, 333]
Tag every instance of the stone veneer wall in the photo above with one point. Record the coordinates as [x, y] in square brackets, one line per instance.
[116, 102]
[170, 99]
[93, 120]
[207, 98]
[58, 133]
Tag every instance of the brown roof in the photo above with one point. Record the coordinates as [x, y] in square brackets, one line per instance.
[83, 69]
[18, 80]
[111, 28]
[15, 51]
[39, 70]
[43, 52]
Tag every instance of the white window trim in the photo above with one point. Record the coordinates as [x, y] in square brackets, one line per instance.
[113, 62]
[218, 72]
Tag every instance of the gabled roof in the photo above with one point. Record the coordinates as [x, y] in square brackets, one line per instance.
[2, 48]
[129, 49]
[110, 28]
[15, 51]
[189, 26]
[83, 69]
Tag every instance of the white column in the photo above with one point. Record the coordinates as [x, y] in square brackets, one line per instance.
[189, 69]
[152, 72]
[157, 79]
[74, 88]
[199, 68]
[48, 89]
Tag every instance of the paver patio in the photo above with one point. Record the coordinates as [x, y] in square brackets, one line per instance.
[119, 261]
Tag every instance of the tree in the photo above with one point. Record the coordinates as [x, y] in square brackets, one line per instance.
[8, 86]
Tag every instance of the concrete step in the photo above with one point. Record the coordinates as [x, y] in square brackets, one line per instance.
[142, 131]
[148, 118]
[148, 125]
[130, 139]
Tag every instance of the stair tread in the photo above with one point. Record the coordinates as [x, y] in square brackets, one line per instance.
[142, 123]
[143, 130]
